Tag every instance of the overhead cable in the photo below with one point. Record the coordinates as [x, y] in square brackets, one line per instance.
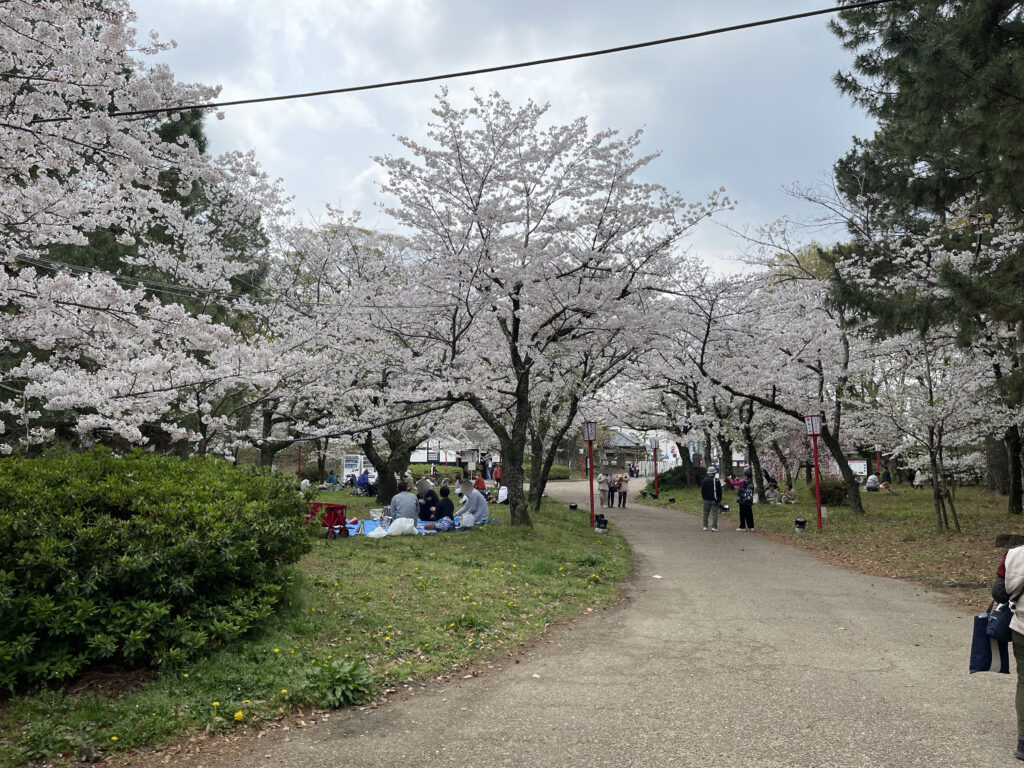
[487, 70]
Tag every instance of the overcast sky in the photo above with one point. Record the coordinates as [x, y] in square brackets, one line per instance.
[753, 111]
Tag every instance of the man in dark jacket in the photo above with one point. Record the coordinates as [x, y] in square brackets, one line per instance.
[711, 494]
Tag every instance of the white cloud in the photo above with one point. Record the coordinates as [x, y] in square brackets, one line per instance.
[754, 110]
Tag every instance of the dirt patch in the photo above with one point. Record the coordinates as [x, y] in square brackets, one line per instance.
[111, 681]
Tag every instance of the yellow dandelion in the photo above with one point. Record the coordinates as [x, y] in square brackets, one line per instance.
[277, 650]
[284, 690]
[291, 650]
[239, 715]
[184, 674]
[113, 738]
[215, 704]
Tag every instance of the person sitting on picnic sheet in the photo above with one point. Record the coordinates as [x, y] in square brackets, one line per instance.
[789, 497]
[771, 494]
[332, 480]
[445, 519]
[427, 499]
[480, 484]
[363, 482]
[403, 503]
[872, 484]
[475, 509]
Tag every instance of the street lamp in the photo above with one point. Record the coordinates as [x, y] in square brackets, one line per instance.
[813, 424]
[590, 435]
[654, 450]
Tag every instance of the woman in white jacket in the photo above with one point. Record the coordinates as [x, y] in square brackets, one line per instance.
[602, 487]
[1009, 584]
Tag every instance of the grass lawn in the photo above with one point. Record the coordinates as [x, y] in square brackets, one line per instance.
[896, 537]
[413, 607]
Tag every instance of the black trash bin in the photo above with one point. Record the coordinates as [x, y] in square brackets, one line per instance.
[801, 524]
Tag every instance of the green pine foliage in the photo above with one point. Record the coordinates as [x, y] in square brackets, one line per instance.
[136, 560]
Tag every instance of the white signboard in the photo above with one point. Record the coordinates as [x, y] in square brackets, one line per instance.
[859, 466]
[589, 430]
[653, 445]
[813, 424]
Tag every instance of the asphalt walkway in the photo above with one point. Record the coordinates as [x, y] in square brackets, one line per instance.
[743, 653]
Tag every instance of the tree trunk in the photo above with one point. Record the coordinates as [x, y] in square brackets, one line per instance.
[1013, 450]
[852, 486]
[755, 466]
[691, 473]
[269, 448]
[321, 458]
[400, 448]
[543, 460]
[724, 457]
[777, 449]
[707, 449]
[536, 470]
[940, 513]
[513, 451]
[997, 465]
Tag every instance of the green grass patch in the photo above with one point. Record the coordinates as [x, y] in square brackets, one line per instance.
[897, 536]
[409, 607]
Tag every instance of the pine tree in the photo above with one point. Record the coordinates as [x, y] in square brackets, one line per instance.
[945, 80]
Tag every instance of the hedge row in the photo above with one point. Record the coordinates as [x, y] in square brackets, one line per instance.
[136, 560]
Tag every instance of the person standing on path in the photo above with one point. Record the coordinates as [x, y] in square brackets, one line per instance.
[711, 495]
[1009, 584]
[602, 489]
[623, 489]
[613, 486]
[745, 499]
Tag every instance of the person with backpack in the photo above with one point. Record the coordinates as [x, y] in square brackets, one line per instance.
[1007, 588]
[745, 499]
[711, 495]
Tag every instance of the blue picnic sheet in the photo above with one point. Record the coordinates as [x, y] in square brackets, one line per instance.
[363, 527]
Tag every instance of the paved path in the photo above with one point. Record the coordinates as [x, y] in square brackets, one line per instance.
[744, 653]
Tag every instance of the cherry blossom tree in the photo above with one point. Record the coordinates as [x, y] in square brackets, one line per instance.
[533, 242]
[104, 345]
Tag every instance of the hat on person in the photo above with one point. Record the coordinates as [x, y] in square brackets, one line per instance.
[712, 471]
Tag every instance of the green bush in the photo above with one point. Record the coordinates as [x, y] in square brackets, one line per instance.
[336, 683]
[136, 560]
[679, 477]
[833, 494]
[559, 472]
[450, 473]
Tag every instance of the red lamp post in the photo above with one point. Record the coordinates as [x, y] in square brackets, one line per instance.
[590, 435]
[654, 451]
[813, 423]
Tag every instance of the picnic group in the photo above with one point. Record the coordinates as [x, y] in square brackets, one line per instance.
[419, 506]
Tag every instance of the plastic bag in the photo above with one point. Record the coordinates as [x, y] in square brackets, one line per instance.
[403, 526]
[377, 533]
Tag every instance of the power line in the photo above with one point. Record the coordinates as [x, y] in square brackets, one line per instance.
[497, 68]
